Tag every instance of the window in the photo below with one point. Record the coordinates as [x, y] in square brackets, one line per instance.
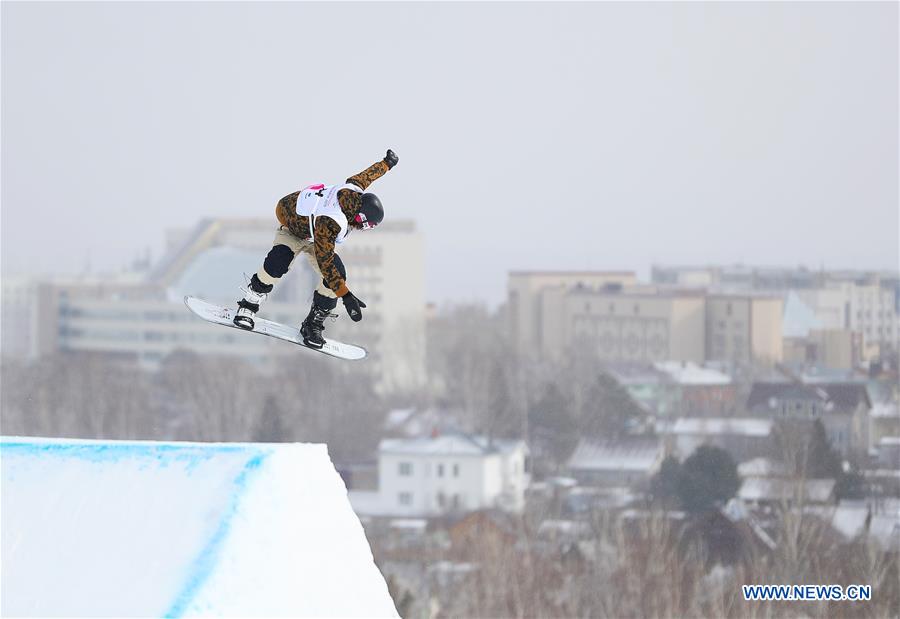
[456, 470]
[441, 500]
[455, 501]
[405, 469]
[440, 470]
[404, 498]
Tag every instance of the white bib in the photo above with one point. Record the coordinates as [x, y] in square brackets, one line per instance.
[321, 201]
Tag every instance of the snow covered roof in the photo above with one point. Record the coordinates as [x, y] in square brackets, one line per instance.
[639, 455]
[633, 374]
[692, 374]
[722, 425]
[413, 524]
[398, 417]
[760, 467]
[849, 519]
[448, 444]
[884, 409]
[554, 528]
[768, 489]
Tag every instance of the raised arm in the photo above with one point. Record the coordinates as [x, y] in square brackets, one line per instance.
[374, 171]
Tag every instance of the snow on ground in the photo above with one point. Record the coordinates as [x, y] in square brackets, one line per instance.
[124, 529]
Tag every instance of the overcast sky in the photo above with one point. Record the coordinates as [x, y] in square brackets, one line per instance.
[530, 136]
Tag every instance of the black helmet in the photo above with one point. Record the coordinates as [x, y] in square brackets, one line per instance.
[371, 213]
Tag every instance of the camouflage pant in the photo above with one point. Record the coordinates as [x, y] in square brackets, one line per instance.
[285, 248]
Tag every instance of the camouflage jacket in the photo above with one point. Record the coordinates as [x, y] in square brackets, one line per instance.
[326, 228]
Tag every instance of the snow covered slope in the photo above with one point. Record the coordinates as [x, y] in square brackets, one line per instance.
[123, 529]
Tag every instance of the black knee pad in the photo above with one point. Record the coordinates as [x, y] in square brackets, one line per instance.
[278, 261]
[323, 302]
[340, 267]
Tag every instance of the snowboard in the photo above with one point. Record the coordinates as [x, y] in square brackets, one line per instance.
[223, 316]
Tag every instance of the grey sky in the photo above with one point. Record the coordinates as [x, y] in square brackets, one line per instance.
[530, 136]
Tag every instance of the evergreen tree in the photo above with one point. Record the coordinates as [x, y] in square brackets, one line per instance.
[822, 462]
[664, 485]
[610, 410]
[709, 476]
[552, 424]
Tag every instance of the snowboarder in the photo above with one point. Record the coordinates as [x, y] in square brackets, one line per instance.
[313, 221]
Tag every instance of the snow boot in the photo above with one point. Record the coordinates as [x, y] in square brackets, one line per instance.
[254, 294]
[313, 325]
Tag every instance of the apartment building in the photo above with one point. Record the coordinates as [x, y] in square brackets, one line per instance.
[625, 326]
[525, 301]
[744, 328]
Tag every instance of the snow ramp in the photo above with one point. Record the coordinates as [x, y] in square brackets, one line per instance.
[148, 529]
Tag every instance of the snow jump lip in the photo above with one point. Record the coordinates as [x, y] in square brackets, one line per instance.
[136, 528]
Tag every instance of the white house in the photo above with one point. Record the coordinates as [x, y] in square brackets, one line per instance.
[430, 476]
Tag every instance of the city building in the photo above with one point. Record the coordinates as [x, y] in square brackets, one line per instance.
[18, 317]
[625, 325]
[867, 305]
[445, 474]
[843, 409]
[744, 328]
[610, 316]
[807, 342]
[525, 302]
[649, 387]
[863, 302]
[700, 390]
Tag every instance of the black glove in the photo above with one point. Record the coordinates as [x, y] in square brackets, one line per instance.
[353, 305]
[391, 160]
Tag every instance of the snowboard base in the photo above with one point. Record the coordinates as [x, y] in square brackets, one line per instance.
[224, 316]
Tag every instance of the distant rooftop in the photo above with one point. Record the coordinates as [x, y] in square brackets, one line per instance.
[761, 467]
[447, 444]
[843, 395]
[768, 489]
[722, 426]
[631, 454]
[688, 373]
[575, 273]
